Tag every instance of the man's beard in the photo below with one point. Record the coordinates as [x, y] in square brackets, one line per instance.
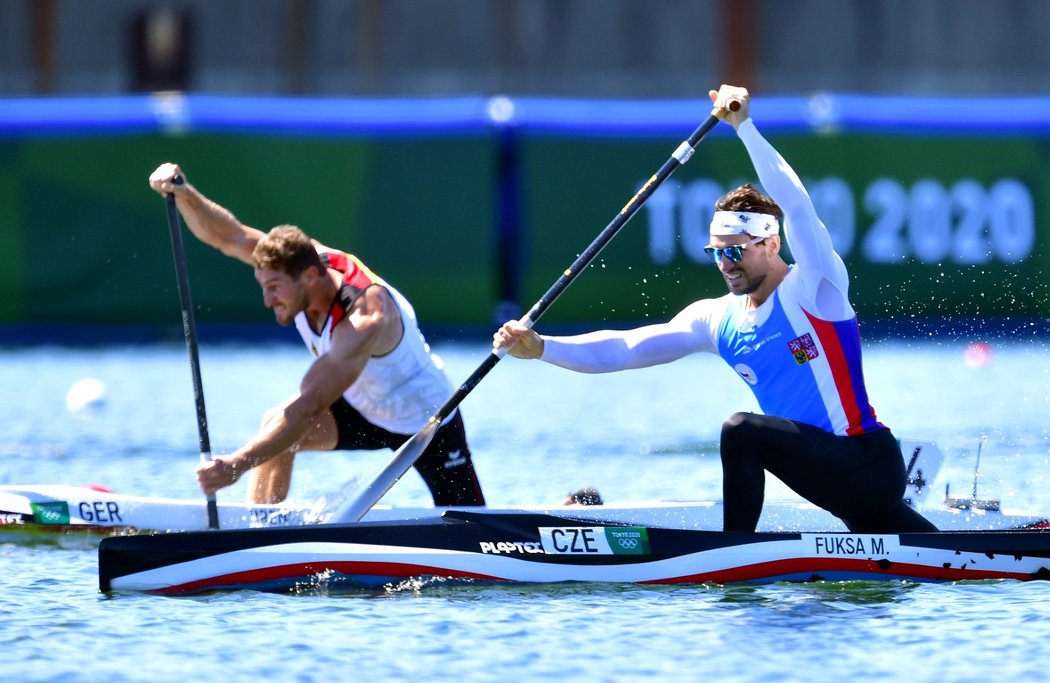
[753, 285]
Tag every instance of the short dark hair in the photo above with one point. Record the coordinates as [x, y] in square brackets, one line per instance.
[588, 495]
[288, 249]
[748, 198]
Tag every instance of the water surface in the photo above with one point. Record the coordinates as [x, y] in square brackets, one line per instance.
[536, 432]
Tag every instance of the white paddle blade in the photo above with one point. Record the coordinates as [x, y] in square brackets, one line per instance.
[404, 458]
[922, 461]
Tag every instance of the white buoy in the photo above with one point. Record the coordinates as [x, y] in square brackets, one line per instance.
[86, 394]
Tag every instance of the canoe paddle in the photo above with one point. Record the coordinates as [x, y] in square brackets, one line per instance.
[354, 509]
[189, 329]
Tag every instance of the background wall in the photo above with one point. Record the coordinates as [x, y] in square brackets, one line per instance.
[575, 48]
[472, 204]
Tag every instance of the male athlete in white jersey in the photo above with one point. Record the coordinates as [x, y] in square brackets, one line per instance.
[374, 381]
[790, 333]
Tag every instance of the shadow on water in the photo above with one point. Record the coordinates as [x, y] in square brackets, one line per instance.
[812, 598]
[803, 605]
[840, 592]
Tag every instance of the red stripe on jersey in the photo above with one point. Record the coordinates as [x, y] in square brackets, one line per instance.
[828, 335]
[356, 279]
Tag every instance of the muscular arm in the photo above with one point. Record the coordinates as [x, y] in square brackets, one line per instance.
[212, 224]
[363, 333]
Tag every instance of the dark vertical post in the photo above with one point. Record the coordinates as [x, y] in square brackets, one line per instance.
[507, 212]
[296, 38]
[738, 19]
[42, 18]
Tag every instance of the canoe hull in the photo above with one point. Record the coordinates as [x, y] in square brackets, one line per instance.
[538, 548]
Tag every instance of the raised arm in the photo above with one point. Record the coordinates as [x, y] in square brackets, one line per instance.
[822, 271]
[212, 224]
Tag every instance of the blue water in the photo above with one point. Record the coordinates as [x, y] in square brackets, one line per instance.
[536, 432]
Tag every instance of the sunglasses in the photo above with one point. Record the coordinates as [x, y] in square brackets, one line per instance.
[734, 253]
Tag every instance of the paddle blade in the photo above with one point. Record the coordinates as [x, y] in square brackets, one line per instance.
[404, 458]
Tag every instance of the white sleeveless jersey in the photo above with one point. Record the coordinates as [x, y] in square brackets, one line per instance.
[400, 390]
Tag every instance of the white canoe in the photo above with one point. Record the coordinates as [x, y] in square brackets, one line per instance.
[39, 513]
[55, 511]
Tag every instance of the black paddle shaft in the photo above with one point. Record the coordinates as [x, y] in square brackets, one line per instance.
[189, 329]
[353, 510]
[678, 158]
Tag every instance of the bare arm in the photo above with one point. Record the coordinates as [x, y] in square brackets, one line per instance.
[327, 378]
[209, 222]
[363, 333]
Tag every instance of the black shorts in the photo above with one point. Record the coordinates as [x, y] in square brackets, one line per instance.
[859, 479]
[445, 465]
